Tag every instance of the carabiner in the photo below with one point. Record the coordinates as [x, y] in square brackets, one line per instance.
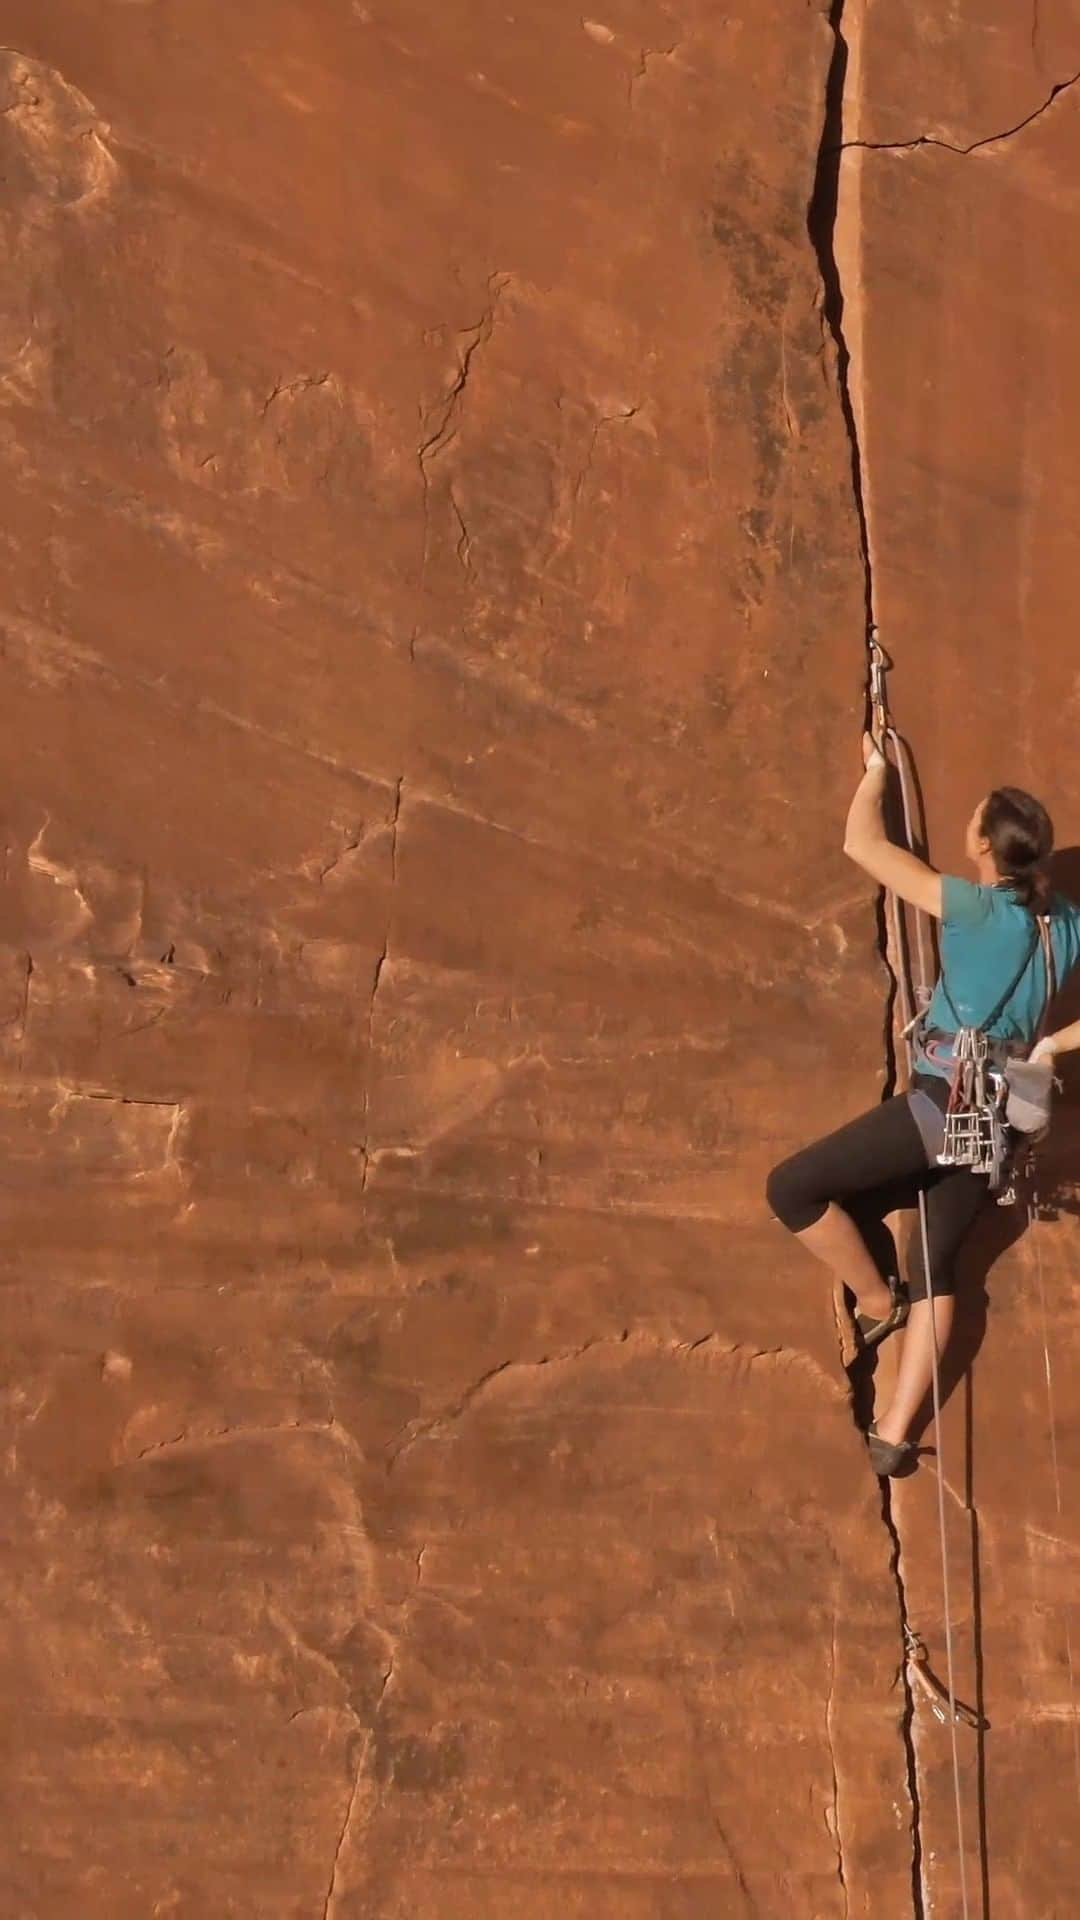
[879, 667]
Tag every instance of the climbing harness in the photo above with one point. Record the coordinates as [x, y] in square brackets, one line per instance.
[992, 1085]
[973, 1134]
[914, 997]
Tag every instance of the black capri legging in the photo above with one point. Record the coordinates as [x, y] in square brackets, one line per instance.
[871, 1167]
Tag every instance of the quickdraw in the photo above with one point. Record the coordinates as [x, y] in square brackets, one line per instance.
[942, 1705]
[974, 1132]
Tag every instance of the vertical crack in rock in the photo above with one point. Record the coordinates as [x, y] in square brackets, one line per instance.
[376, 981]
[603, 420]
[463, 547]
[24, 1011]
[331, 1895]
[330, 1902]
[444, 426]
[641, 68]
[367, 1747]
[439, 424]
[697, 1735]
[907, 1716]
[835, 1828]
[821, 226]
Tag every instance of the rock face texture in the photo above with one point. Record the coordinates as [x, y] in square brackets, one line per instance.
[442, 479]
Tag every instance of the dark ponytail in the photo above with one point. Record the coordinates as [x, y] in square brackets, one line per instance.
[1021, 836]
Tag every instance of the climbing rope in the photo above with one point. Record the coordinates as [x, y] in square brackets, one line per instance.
[914, 997]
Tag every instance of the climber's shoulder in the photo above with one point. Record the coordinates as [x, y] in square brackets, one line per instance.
[967, 904]
[903, 873]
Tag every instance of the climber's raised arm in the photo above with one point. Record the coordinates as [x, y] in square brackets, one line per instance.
[867, 843]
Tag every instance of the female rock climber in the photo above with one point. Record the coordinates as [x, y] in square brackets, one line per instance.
[835, 1194]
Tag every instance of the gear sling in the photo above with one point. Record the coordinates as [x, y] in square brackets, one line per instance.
[994, 1089]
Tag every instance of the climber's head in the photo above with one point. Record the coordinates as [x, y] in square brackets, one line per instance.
[1011, 835]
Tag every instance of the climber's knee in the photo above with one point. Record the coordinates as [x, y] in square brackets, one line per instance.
[916, 1281]
[792, 1194]
[944, 1281]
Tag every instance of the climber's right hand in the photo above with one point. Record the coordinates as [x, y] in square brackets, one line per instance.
[872, 755]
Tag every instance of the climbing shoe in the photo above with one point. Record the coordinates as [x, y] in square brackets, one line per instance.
[885, 1457]
[871, 1331]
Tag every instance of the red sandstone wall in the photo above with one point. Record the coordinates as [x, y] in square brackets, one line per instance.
[433, 641]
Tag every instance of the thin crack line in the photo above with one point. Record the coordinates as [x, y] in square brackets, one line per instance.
[439, 424]
[649, 1345]
[366, 1749]
[697, 1736]
[427, 1429]
[907, 1717]
[836, 1831]
[366, 1149]
[987, 140]
[331, 1892]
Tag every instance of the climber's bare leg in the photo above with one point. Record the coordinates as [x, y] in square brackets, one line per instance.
[836, 1241]
[916, 1365]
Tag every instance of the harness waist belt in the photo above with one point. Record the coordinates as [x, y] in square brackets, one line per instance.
[932, 1041]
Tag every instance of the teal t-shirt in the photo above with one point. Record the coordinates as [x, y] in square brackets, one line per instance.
[985, 933]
